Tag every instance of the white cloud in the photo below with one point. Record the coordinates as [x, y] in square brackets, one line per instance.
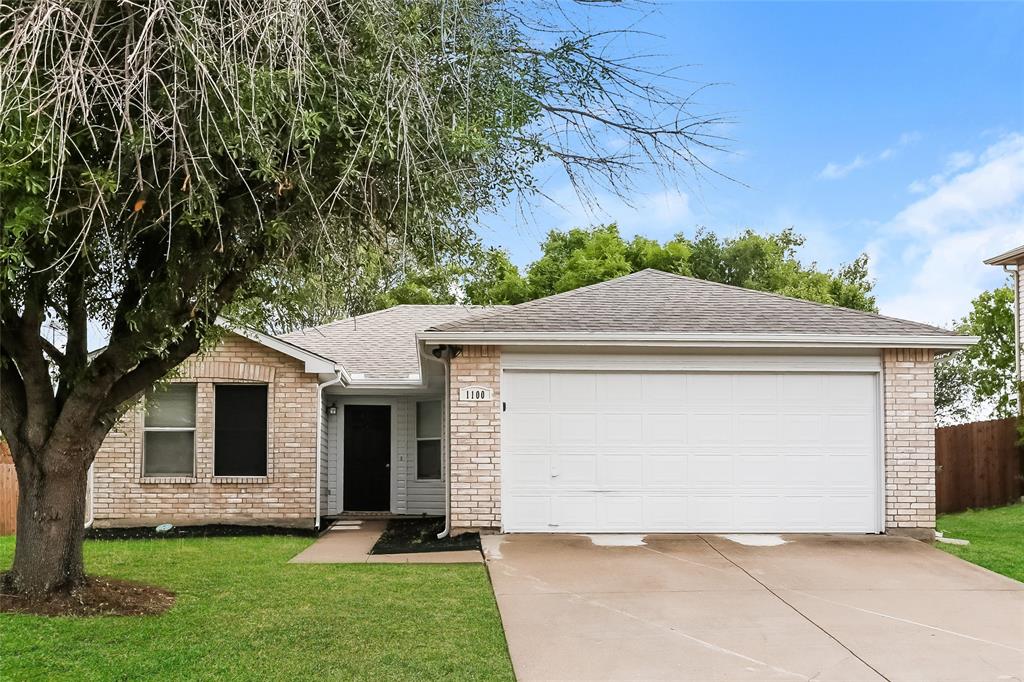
[837, 171]
[934, 247]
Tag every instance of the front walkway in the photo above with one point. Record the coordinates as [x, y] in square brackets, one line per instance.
[350, 542]
[696, 607]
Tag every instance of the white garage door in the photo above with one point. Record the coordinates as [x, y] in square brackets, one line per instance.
[690, 452]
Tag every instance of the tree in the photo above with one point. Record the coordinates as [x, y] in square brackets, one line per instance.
[980, 382]
[579, 257]
[164, 162]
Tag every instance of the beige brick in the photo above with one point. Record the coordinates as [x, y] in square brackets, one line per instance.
[285, 497]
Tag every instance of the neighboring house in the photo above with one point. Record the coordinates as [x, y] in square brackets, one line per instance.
[1011, 261]
[648, 403]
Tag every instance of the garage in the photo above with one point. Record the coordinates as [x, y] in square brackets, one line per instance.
[657, 402]
[709, 445]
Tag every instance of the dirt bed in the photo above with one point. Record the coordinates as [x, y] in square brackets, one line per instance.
[97, 597]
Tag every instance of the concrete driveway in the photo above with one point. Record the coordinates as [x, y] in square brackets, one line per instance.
[704, 607]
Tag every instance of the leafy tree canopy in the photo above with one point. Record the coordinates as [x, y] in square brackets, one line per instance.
[578, 257]
[163, 162]
[979, 383]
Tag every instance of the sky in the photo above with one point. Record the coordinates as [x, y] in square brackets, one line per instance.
[887, 128]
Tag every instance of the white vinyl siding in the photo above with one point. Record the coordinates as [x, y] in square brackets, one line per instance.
[690, 450]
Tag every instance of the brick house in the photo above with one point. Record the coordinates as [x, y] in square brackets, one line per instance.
[649, 403]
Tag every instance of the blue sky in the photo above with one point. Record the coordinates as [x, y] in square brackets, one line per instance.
[896, 129]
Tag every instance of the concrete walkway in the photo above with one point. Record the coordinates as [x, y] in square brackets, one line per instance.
[694, 607]
[350, 542]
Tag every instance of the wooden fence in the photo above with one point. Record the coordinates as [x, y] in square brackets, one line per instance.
[8, 492]
[978, 465]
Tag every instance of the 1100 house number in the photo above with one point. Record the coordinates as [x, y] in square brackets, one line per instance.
[475, 393]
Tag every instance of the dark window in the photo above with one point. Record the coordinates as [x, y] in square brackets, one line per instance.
[428, 440]
[240, 431]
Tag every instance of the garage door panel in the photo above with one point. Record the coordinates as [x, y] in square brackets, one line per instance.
[690, 452]
[621, 471]
[710, 428]
[665, 470]
[573, 429]
[801, 389]
[664, 389]
[711, 469]
[622, 513]
[573, 388]
[528, 469]
[621, 428]
[710, 389]
[755, 429]
[575, 469]
[664, 429]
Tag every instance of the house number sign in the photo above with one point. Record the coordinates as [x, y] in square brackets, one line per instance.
[475, 393]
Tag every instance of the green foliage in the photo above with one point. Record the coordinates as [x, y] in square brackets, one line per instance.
[244, 613]
[579, 257]
[979, 383]
[996, 537]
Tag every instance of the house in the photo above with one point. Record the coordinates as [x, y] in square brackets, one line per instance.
[648, 403]
[1011, 261]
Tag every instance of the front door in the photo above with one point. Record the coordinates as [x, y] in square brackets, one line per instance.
[367, 458]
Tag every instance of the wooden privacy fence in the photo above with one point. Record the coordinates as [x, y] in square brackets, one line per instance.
[977, 465]
[8, 492]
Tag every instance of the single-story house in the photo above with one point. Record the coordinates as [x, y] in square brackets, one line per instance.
[1012, 261]
[648, 403]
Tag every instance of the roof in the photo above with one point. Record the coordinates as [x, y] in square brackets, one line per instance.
[656, 304]
[1011, 257]
[380, 345]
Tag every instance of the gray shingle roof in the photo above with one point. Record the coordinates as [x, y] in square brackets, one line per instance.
[382, 344]
[652, 301]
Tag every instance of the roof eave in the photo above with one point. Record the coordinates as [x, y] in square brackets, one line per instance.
[699, 340]
[1011, 257]
[312, 362]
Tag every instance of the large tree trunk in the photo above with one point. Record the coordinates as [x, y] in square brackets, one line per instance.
[51, 524]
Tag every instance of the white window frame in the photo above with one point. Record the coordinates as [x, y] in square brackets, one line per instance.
[440, 476]
[147, 429]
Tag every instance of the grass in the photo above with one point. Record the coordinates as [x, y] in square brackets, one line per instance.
[996, 535]
[243, 613]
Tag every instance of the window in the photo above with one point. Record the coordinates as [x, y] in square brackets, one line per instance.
[169, 444]
[428, 440]
[240, 430]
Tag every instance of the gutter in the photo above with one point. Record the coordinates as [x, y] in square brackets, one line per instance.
[443, 355]
[662, 340]
[338, 378]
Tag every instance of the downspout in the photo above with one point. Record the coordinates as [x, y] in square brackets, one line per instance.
[443, 355]
[320, 437]
[1017, 303]
[90, 483]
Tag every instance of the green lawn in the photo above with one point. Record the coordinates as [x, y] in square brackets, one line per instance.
[243, 613]
[996, 535]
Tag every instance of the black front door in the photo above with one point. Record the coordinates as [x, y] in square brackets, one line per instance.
[367, 458]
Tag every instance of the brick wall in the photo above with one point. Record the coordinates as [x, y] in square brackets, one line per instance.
[123, 497]
[909, 384]
[475, 441]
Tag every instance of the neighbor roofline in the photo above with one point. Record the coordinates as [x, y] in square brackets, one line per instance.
[719, 340]
[1011, 257]
[313, 362]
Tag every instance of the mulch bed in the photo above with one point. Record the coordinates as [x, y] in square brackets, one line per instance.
[410, 536]
[97, 597]
[209, 531]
